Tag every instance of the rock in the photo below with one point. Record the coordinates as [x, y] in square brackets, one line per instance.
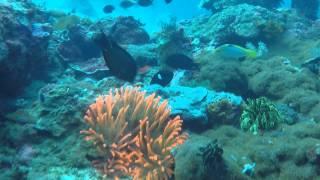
[82, 55]
[191, 103]
[127, 30]
[289, 115]
[22, 56]
[4, 51]
[41, 30]
[60, 106]
[222, 75]
[144, 54]
[77, 46]
[313, 155]
[94, 68]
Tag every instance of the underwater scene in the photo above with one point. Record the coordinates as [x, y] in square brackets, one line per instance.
[160, 89]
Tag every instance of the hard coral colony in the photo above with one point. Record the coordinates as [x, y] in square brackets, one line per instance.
[133, 134]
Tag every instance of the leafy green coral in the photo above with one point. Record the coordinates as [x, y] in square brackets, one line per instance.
[259, 114]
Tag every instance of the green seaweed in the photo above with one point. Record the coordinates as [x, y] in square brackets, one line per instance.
[259, 114]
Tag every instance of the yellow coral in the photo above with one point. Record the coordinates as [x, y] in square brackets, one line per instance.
[134, 134]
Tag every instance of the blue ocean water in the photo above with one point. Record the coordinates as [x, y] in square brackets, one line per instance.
[152, 16]
[160, 90]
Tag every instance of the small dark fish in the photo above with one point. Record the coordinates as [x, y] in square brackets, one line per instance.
[167, 1]
[119, 61]
[127, 3]
[108, 9]
[163, 77]
[181, 61]
[145, 3]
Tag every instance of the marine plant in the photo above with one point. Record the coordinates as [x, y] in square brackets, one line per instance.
[133, 134]
[259, 114]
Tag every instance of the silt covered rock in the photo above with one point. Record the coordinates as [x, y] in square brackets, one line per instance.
[191, 103]
[240, 23]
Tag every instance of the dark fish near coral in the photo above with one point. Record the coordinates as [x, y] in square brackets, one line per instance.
[181, 61]
[108, 9]
[167, 1]
[163, 77]
[145, 3]
[313, 65]
[127, 3]
[119, 61]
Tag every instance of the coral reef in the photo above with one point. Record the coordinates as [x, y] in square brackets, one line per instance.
[218, 5]
[51, 71]
[273, 158]
[259, 114]
[276, 75]
[285, 84]
[133, 134]
[238, 24]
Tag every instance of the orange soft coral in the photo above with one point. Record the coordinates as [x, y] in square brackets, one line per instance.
[134, 134]
[155, 141]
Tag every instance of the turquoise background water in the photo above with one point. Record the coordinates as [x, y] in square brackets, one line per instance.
[151, 16]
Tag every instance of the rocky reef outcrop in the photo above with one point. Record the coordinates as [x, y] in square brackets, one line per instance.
[218, 5]
[125, 30]
[238, 24]
[50, 61]
[24, 40]
[191, 103]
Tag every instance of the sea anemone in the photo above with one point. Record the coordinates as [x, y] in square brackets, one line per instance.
[259, 114]
[133, 134]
